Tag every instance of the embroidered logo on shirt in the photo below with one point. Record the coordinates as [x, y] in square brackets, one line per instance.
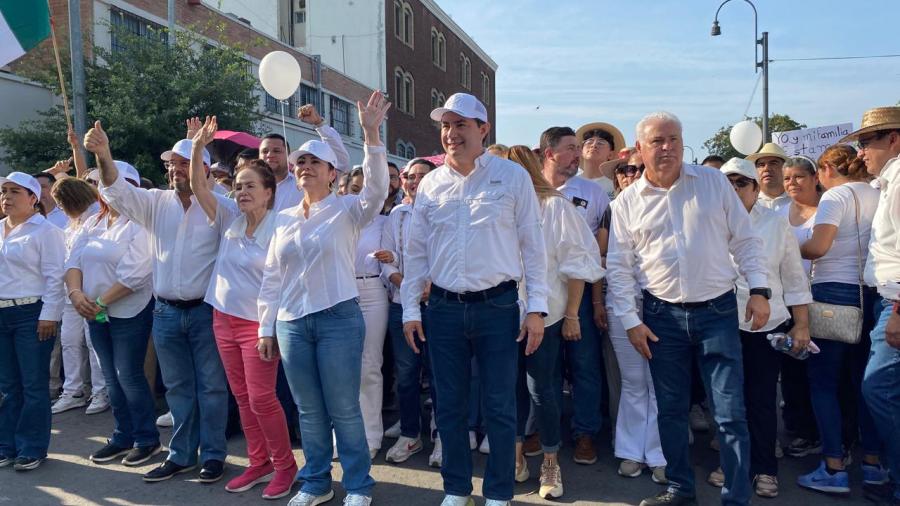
[579, 202]
[495, 181]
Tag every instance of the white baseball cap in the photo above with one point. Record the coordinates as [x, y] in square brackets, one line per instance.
[463, 104]
[318, 149]
[183, 149]
[128, 172]
[24, 180]
[741, 167]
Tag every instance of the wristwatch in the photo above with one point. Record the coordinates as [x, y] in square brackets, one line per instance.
[765, 292]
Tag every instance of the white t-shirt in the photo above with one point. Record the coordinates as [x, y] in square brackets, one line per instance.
[840, 263]
[802, 232]
[589, 198]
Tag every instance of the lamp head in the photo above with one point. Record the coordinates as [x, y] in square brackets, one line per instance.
[716, 30]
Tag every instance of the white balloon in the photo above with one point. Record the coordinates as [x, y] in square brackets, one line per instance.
[279, 74]
[746, 137]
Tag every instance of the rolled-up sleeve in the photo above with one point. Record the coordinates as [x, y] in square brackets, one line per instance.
[135, 268]
[620, 273]
[531, 243]
[53, 259]
[578, 252]
[793, 276]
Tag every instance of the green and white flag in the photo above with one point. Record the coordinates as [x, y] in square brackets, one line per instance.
[23, 25]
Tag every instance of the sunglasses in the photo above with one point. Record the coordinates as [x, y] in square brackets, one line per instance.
[629, 170]
[93, 181]
[864, 143]
[740, 182]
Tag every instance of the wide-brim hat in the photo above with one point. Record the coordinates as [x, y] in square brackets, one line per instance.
[879, 118]
[618, 138]
[769, 149]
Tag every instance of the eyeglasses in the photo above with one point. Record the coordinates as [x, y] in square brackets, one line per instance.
[629, 170]
[93, 181]
[596, 141]
[740, 182]
[865, 143]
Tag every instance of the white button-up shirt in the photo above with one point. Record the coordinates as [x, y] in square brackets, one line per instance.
[474, 232]
[396, 231]
[775, 203]
[114, 254]
[786, 275]
[182, 244]
[310, 262]
[676, 241]
[370, 238]
[884, 248]
[58, 218]
[287, 194]
[589, 198]
[32, 257]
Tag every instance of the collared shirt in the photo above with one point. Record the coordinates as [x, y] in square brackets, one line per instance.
[182, 244]
[884, 249]
[396, 230]
[287, 194]
[474, 232]
[848, 253]
[786, 276]
[237, 276]
[309, 266]
[58, 218]
[31, 264]
[775, 203]
[676, 241]
[107, 255]
[370, 238]
[589, 198]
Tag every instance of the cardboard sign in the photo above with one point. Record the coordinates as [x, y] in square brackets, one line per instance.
[811, 142]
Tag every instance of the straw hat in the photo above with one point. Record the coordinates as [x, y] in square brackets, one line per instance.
[769, 149]
[879, 118]
[618, 138]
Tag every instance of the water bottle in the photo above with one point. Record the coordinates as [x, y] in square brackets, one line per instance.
[784, 343]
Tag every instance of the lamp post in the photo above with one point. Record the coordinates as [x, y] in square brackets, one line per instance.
[760, 64]
[693, 156]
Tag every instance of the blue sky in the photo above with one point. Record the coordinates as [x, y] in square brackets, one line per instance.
[571, 62]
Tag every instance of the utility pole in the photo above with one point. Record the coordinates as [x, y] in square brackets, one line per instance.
[77, 63]
[171, 12]
[764, 41]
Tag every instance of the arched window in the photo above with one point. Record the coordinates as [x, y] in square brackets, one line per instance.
[403, 22]
[438, 49]
[465, 71]
[404, 91]
[485, 89]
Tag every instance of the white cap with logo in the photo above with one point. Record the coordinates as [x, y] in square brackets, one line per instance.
[24, 180]
[183, 149]
[741, 167]
[318, 149]
[463, 104]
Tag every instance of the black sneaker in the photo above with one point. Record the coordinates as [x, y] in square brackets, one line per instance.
[669, 499]
[27, 463]
[141, 454]
[165, 471]
[212, 471]
[6, 461]
[879, 494]
[108, 453]
[801, 447]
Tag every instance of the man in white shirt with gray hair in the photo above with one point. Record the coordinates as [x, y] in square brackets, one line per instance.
[674, 233]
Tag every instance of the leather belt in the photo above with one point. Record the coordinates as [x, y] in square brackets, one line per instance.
[22, 301]
[490, 293]
[686, 305]
[181, 304]
[368, 277]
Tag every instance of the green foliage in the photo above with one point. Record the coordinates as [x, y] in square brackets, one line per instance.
[719, 144]
[142, 93]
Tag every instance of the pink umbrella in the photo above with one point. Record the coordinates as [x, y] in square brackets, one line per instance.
[227, 144]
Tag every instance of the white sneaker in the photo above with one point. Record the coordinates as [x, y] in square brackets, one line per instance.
[473, 440]
[437, 454]
[67, 402]
[307, 499]
[485, 447]
[457, 500]
[165, 420]
[99, 404]
[357, 500]
[403, 449]
[522, 473]
[393, 432]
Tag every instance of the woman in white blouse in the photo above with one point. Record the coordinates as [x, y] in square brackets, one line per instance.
[247, 225]
[108, 280]
[32, 254]
[309, 293]
[573, 258]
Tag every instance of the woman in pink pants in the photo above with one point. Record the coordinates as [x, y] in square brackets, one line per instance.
[248, 226]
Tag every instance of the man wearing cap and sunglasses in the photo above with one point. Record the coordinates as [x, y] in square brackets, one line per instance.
[769, 163]
[184, 248]
[879, 146]
[480, 234]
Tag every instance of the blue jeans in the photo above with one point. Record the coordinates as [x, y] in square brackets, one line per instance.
[584, 361]
[24, 375]
[121, 346]
[710, 333]
[195, 382]
[488, 330]
[825, 373]
[409, 371]
[538, 380]
[322, 355]
[881, 389]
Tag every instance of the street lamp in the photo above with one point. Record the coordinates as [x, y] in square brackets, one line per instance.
[693, 156]
[760, 64]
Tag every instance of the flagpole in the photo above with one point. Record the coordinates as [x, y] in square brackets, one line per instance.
[62, 83]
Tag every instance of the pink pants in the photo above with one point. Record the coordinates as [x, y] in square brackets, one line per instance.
[252, 382]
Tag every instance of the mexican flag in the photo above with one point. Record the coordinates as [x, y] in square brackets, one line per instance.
[23, 24]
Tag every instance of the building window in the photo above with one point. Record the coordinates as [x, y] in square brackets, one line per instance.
[404, 91]
[310, 95]
[403, 22]
[122, 21]
[340, 115]
[486, 88]
[273, 105]
[465, 71]
[438, 49]
[405, 149]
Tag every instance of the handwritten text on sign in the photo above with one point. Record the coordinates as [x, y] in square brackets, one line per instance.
[811, 142]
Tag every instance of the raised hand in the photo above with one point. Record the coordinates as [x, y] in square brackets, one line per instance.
[206, 133]
[96, 141]
[372, 115]
[308, 114]
[72, 137]
[192, 124]
[60, 167]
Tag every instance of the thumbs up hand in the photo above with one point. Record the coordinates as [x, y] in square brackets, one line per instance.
[96, 140]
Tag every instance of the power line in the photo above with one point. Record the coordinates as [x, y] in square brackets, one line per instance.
[838, 58]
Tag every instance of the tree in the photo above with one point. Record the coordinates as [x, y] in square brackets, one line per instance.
[142, 92]
[719, 144]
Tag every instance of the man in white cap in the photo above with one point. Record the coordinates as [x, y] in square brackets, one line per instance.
[184, 248]
[769, 163]
[479, 220]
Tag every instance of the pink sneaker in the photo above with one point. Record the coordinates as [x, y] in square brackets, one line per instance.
[251, 477]
[280, 486]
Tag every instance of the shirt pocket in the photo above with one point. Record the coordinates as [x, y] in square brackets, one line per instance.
[442, 213]
[17, 249]
[489, 209]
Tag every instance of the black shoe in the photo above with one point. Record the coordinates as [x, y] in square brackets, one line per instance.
[165, 471]
[669, 499]
[27, 463]
[141, 454]
[880, 494]
[212, 471]
[108, 453]
[6, 461]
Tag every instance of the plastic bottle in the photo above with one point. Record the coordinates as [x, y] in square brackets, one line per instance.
[784, 343]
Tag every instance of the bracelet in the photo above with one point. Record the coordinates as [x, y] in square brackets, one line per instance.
[100, 303]
[69, 295]
[567, 317]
